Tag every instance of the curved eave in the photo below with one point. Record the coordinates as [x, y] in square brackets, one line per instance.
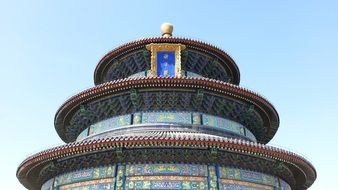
[303, 170]
[190, 43]
[216, 86]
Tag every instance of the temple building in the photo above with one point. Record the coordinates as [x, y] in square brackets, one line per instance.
[166, 113]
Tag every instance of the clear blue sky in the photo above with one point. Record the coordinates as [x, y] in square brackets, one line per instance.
[286, 50]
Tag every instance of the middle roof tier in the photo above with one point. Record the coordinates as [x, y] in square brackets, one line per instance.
[185, 94]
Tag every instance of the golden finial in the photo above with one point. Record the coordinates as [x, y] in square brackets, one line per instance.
[167, 29]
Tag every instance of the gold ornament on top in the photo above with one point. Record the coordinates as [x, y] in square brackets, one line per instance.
[158, 47]
[167, 29]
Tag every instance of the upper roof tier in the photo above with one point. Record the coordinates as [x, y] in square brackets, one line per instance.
[197, 58]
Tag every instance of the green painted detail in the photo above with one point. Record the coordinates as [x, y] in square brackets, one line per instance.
[219, 122]
[137, 118]
[149, 73]
[198, 99]
[167, 117]
[120, 177]
[165, 176]
[212, 178]
[135, 98]
[85, 175]
[249, 176]
[196, 119]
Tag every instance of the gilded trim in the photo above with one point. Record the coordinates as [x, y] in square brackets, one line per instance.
[154, 48]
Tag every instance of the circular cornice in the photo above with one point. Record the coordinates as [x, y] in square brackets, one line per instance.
[219, 87]
[303, 171]
[190, 43]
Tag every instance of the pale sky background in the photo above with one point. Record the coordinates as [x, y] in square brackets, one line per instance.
[286, 50]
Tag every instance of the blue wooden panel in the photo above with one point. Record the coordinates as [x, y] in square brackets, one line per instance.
[166, 182]
[226, 124]
[85, 175]
[166, 169]
[110, 123]
[99, 184]
[166, 63]
[166, 117]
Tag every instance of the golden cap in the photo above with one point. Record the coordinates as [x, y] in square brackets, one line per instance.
[167, 29]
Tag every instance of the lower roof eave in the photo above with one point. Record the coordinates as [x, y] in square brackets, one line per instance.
[302, 170]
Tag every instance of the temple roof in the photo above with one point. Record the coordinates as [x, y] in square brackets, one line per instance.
[212, 92]
[226, 61]
[265, 109]
[303, 172]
